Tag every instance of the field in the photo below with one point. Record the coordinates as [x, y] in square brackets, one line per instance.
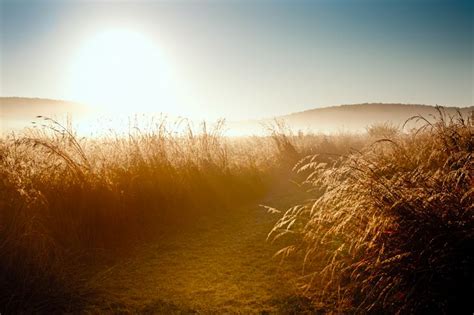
[176, 219]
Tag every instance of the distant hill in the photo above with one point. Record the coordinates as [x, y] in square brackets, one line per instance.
[360, 115]
[24, 106]
[355, 117]
[18, 112]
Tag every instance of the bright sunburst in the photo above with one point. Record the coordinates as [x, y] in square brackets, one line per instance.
[121, 71]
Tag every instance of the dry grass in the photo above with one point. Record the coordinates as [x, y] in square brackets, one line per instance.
[391, 228]
[70, 204]
[387, 221]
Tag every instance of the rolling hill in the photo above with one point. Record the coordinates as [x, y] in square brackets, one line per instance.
[355, 117]
[17, 112]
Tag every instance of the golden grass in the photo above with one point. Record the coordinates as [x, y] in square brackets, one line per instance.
[68, 203]
[391, 227]
[71, 205]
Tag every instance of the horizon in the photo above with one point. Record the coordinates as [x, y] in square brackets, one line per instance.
[19, 113]
[88, 107]
[238, 60]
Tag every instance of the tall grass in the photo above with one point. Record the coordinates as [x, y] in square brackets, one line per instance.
[64, 199]
[391, 228]
[69, 204]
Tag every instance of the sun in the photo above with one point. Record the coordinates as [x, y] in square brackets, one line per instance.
[122, 71]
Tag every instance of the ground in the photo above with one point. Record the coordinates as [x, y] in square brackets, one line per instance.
[223, 264]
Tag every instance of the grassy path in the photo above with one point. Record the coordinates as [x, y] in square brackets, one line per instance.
[222, 265]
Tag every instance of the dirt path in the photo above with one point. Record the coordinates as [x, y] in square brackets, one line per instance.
[222, 265]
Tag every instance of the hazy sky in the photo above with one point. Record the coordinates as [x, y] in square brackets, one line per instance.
[245, 59]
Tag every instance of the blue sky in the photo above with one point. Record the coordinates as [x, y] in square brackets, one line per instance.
[246, 59]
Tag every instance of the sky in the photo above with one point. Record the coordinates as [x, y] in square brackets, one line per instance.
[238, 59]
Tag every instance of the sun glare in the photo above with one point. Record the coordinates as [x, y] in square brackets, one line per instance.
[121, 71]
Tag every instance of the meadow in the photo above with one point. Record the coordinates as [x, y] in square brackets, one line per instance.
[380, 221]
